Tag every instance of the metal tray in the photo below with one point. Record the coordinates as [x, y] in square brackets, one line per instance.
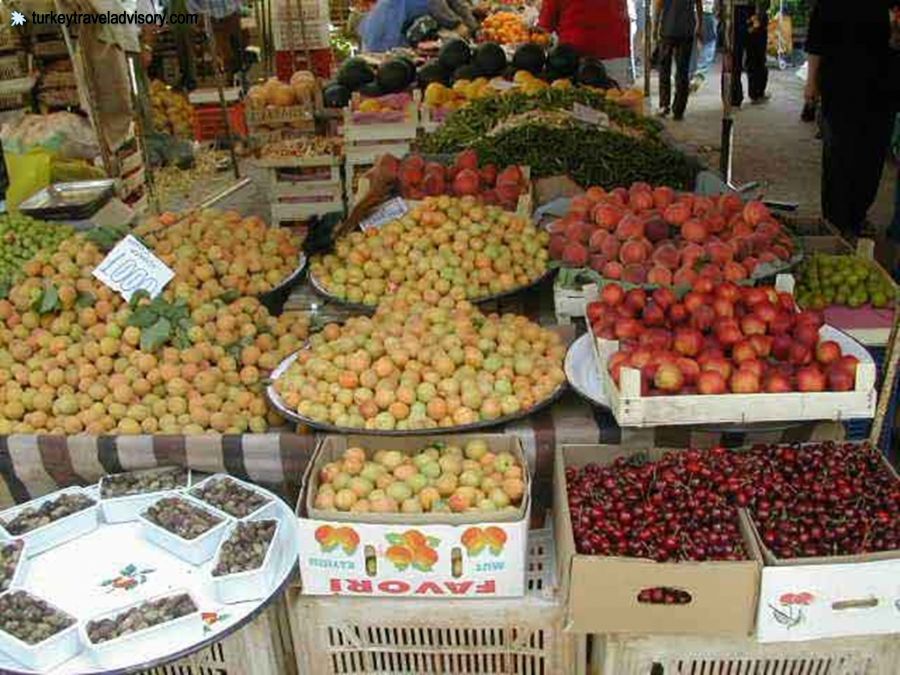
[76, 200]
[292, 415]
[274, 299]
[360, 307]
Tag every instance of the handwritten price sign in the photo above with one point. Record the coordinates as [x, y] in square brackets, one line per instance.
[131, 266]
[589, 115]
[392, 209]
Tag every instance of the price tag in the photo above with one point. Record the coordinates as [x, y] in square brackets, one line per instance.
[502, 85]
[587, 114]
[392, 209]
[131, 266]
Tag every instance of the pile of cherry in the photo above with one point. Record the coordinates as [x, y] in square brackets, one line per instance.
[816, 499]
[718, 339]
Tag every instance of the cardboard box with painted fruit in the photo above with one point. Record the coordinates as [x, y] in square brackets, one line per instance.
[426, 517]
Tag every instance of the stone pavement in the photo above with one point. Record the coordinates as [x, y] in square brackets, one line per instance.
[771, 143]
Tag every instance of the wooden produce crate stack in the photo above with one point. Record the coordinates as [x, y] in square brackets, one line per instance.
[301, 24]
[132, 179]
[208, 123]
[302, 187]
[365, 142]
[15, 82]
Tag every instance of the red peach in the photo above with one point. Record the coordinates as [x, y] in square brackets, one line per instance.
[711, 382]
[744, 382]
[776, 383]
[811, 378]
[669, 377]
[753, 325]
[612, 295]
[828, 352]
[688, 341]
[743, 351]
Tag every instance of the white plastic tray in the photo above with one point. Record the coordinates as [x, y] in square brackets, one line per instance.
[59, 531]
[18, 577]
[114, 566]
[265, 511]
[129, 507]
[252, 584]
[117, 652]
[45, 654]
[194, 551]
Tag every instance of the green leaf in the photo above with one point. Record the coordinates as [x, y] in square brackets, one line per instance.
[137, 296]
[395, 539]
[47, 301]
[434, 542]
[155, 336]
[5, 287]
[143, 317]
[128, 570]
[85, 299]
[229, 296]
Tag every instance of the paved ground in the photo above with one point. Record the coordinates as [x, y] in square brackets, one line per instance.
[771, 143]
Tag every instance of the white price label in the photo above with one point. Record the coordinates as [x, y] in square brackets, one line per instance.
[590, 115]
[131, 266]
[392, 209]
[502, 85]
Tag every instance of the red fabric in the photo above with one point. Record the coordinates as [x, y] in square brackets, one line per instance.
[599, 28]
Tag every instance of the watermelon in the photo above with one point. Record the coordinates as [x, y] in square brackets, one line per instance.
[335, 95]
[490, 59]
[592, 73]
[432, 72]
[563, 60]
[454, 54]
[394, 75]
[529, 57]
[355, 73]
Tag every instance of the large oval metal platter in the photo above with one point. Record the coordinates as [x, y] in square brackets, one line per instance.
[361, 307]
[581, 371]
[293, 415]
[114, 566]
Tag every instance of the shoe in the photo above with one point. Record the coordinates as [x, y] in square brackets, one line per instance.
[759, 100]
[663, 112]
[678, 116]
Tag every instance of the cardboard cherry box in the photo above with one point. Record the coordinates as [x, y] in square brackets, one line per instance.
[828, 597]
[602, 591]
[428, 555]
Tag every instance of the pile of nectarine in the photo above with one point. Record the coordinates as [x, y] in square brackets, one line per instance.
[719, 339]
[658, 236]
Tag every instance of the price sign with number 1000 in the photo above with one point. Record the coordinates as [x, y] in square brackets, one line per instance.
[131, 266]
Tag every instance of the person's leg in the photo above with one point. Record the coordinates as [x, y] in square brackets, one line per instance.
[683, 50]
[757, 72]
[666, 48]
[835, 178]
[708, 51]
[870, 151]
[741, 23]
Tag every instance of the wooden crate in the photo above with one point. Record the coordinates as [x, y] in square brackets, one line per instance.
[404, 130]
[280, 187]
[685, 655]
[521, 636]
[570, 303]
[295, 212]
[262, 647]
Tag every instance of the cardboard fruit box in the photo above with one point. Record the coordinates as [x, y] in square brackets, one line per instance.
[828, 597]
[602, 591]
[428, 555]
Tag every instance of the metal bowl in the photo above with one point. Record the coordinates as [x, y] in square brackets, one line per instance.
[274, 299]
[293, 415]
[361, 307]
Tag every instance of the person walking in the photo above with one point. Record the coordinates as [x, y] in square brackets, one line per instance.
[751, 38]
[704, 54]
[850, 73]
[678, 25]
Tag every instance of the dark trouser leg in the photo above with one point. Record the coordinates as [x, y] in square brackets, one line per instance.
[853, 152]
[757, 72]
[666, 52]
[741, 24]
[683, 50]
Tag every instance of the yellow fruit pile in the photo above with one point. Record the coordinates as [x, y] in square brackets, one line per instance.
[172, 112]
[505, 28]
[452, 245]
[438, 95]
[73, 360]
[423, 364]
[437, 479]
[215, 251]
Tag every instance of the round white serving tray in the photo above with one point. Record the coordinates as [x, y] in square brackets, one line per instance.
[114, 566]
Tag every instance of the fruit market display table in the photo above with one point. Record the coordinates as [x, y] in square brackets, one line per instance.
[101, 561]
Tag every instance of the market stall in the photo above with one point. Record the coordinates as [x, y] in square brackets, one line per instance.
[466, 339]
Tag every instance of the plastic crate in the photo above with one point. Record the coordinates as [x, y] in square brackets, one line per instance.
[287, 62]
[262, 647]
[681, 655]
[513, 636]
[208, 124]
[860, 429]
